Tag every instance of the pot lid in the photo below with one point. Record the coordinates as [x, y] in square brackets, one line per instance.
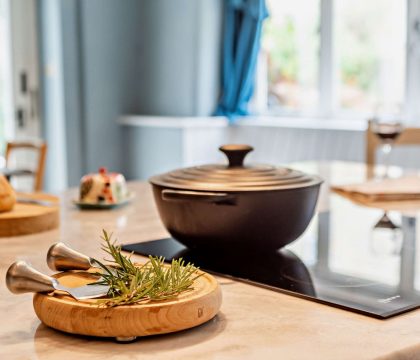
[235, 176]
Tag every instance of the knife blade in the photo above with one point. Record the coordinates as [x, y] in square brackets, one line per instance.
[22, 200]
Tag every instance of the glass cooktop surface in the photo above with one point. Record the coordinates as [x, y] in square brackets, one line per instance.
[352, 257]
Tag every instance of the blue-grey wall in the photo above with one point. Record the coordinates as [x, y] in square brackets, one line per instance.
[159, 57]
[73, 85]
[90, 56]
[111, 52]
[181, 57]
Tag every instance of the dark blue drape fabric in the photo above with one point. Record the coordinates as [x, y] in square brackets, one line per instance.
[241, 44]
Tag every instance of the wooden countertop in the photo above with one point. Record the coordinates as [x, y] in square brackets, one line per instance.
[253, 322]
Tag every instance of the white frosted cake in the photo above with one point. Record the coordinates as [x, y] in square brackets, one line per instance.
[103, 188]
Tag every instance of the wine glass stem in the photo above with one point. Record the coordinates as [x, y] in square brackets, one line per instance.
[386, 148]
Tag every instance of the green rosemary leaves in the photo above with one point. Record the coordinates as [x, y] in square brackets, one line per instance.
[132, 284]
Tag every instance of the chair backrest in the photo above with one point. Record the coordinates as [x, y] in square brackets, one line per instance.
[41, 148]
[409, 136]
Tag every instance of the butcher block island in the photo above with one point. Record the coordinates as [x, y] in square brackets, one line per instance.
[253, 322]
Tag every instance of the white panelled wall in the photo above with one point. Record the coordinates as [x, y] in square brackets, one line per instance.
[159, 144]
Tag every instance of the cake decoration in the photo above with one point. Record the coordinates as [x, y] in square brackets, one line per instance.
[103, 188]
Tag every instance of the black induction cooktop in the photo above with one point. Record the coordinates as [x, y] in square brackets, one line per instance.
[360, 267]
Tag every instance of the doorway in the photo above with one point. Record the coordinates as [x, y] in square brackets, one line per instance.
[19, 79]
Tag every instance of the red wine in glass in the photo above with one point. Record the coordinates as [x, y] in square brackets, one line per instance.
[387, 132]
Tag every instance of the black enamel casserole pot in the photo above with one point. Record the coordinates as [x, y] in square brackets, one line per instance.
[236, 207]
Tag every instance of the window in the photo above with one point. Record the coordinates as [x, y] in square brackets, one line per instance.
[370, 41]
[337, 58]
[19, 110]
[291, 42]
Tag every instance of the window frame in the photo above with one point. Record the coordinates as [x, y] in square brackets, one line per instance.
[412, 83]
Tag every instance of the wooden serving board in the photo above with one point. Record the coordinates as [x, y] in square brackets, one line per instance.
[126, 322]
[30, 218]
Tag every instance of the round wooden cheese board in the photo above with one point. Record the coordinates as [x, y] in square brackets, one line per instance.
[30, 218]
[127, 322]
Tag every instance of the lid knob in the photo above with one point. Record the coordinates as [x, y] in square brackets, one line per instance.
[236, 153]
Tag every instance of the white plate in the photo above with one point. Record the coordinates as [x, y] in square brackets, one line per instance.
[98, 206]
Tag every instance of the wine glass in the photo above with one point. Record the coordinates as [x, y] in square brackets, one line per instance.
[387, 128]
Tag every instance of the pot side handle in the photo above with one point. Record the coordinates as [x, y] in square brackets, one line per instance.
[201, 196]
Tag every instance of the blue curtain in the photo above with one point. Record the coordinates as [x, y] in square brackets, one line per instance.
[241, 44]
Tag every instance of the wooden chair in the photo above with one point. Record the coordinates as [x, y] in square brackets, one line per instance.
[409, 136]
[38, 173]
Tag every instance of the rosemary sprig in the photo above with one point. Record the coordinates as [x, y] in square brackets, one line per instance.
[153, 281]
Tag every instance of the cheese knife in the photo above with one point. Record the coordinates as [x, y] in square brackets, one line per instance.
[22, 278]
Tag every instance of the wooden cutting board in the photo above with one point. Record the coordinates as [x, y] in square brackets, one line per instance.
[30, 218]
[126, 322]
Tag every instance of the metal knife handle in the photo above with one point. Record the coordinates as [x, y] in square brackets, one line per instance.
[22, 278]
[60, 257]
